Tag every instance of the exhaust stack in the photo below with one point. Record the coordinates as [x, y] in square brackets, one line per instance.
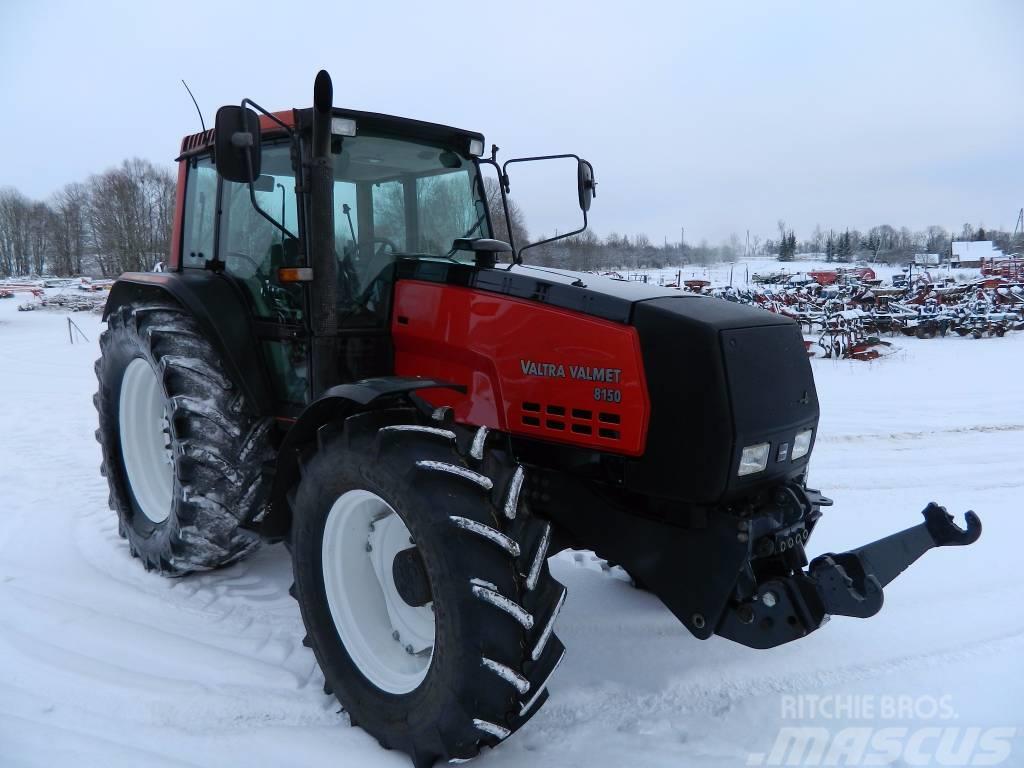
[321, 237]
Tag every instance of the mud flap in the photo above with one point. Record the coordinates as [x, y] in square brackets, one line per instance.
[845, 584]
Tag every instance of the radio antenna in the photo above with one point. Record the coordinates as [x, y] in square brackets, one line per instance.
[201, 121]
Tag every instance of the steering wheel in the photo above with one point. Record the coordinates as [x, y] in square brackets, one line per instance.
[356, 283]
[256, 266]
[383, 253]
[384, 243]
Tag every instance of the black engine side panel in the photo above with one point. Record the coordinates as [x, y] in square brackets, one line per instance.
[720, 376]
[771, 390]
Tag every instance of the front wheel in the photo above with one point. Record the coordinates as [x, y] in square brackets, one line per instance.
[423, 583]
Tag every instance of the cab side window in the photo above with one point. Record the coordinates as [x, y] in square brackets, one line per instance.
[252, 248]
[200, 213]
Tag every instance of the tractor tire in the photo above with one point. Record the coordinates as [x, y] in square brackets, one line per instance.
[444, 646]
[182, 457]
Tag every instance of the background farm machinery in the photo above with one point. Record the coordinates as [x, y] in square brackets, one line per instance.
[852, 312]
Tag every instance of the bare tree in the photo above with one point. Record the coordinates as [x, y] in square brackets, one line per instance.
[818, 239]
[39, 231]
[937, 239]
[69, 234]
[520, 235]
[15, 214]
[130, 214]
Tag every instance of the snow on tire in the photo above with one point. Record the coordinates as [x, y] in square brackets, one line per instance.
[487, 593]
[182, 456]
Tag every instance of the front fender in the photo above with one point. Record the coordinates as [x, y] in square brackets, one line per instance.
[336, 404]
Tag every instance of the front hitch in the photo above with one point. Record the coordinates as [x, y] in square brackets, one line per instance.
[847, 584]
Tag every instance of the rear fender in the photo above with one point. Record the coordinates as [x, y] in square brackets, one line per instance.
[222, 314]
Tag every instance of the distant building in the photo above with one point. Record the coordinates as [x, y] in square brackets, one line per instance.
[927, 259]
[969, 253]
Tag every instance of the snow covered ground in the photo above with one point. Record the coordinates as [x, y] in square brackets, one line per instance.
[102, 664]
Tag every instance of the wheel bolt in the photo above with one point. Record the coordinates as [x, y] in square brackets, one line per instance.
[395, 635]
[368, 547]
[408, 649]
[769, 599]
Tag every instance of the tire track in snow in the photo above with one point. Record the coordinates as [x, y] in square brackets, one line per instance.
[27, 733]
[254, 590]
[919, 435]
[161, 681]
[616, 708]
[115, 631]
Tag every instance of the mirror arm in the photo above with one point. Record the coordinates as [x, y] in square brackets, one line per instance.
[283, 229]
[553, 239]
[518, 255]
[252, 198]
[248, 159]
[538, 157]
[503, 188]
[272, 117]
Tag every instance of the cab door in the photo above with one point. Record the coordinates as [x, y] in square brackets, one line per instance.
[253, 250]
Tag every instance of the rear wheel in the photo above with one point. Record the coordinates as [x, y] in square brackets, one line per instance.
[182, 457]
[423, 583]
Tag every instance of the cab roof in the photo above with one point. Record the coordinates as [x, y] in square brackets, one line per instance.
[371, 122]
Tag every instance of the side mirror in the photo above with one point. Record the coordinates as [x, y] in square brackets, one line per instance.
[586, 183]
[237, 144]
[264, 184]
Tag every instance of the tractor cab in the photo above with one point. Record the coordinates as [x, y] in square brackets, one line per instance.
[394, 196]
[398, 189]
[308, 211]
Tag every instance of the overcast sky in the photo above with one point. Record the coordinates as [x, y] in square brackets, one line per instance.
[716, 117]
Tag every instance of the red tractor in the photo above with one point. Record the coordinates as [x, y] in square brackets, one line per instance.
[340, 356]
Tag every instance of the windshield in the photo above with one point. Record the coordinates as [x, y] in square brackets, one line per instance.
[395, 197]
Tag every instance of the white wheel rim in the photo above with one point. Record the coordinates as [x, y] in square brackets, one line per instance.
[391, 642]
[145, 440]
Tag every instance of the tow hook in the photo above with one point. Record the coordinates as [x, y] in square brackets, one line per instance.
[845, 584]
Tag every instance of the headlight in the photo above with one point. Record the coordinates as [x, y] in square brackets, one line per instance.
[754, 458]
[802, 444]
[343, 126]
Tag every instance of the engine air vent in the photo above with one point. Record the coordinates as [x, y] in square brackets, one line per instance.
[554, 417]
